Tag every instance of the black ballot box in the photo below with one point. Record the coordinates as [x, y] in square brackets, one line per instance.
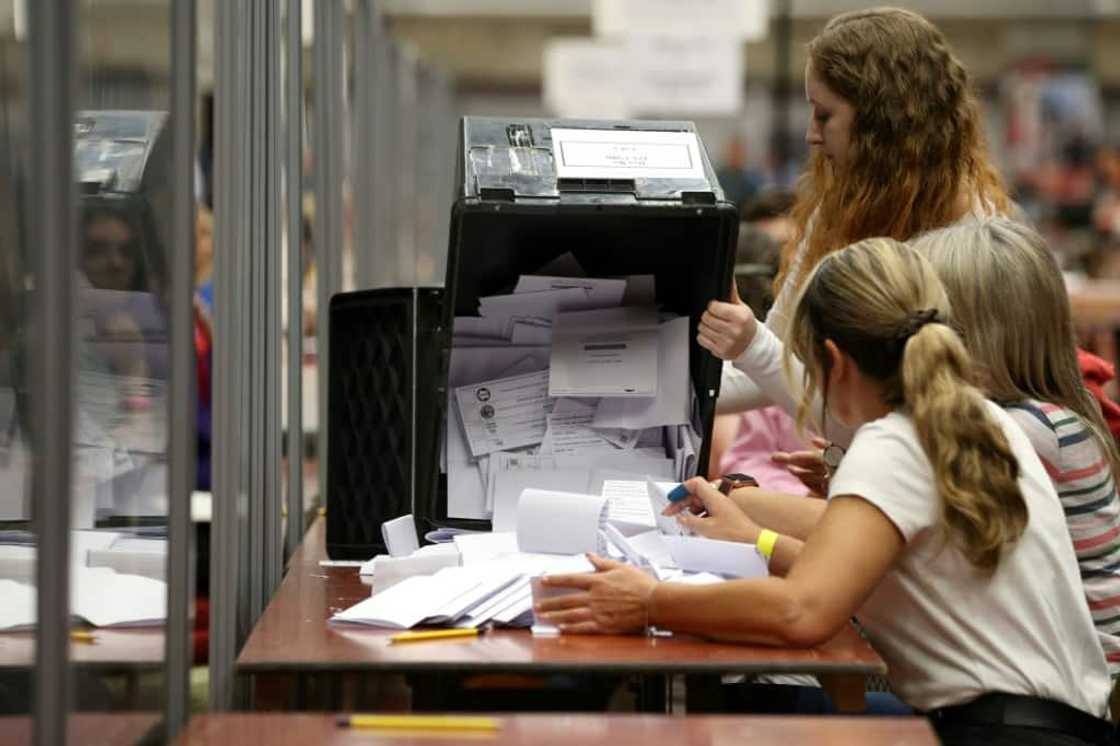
[544, 207]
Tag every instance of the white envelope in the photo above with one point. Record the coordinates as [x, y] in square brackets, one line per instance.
[728, 558]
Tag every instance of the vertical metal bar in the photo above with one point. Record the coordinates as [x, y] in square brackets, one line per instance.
[781, 125]
[384, 192]
[273, 547]
[364, 93]
[53, 235]
[241, 282]
[423, 210]
[446, 136]
[225, 545]
[407, 143]
[180, 553]
[254, 336]
[294, 141]
[328, 191]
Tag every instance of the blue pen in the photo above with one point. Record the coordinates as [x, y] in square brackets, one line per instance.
[678, 493]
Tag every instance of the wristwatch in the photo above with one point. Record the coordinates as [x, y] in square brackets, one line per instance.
[831, 456]
[734, 481]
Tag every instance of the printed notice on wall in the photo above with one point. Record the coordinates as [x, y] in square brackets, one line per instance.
[626, 154]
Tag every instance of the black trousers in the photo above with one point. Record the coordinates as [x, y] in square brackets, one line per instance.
[957, 734]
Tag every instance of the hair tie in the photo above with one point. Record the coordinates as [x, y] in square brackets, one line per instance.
[916, 321]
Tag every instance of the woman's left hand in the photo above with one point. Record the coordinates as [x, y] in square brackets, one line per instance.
[613, 600]
[727, 329]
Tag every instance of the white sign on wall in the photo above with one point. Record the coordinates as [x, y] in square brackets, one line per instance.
[585, 78]
[745, 20]
[644, 76]
[685, 76]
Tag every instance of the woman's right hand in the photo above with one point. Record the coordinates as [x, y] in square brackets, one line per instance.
[808, 466]
[724, 519]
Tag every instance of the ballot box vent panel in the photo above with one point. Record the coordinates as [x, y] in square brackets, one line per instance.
[369, 418]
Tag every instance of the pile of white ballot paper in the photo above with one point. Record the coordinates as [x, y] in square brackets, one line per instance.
[485, 579]
[566, 383]
[571, 414]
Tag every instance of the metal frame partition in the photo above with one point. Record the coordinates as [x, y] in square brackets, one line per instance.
[367, 38]
[293, 172]
[183, 385]
[328, 134]
[246, 550]
[51, 365]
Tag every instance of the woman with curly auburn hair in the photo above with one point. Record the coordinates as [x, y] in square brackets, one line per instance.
[897, 150]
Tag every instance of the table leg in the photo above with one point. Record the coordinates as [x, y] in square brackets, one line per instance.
[132, 688]
[651, 694]
[703, 693]
[301, 692]
[846, 690]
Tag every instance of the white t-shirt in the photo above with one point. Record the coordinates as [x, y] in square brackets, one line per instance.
[950, 633]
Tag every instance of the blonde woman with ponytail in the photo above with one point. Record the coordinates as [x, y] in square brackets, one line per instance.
[942, 530]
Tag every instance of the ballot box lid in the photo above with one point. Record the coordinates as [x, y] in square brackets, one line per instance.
[604, 161]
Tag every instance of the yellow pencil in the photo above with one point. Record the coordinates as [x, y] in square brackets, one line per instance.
[81, 635]
[417, 722]
[434, 634]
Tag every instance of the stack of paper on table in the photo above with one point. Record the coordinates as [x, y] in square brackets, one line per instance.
[559, 380]
[492, 585]
[98, 596]
[554, 531]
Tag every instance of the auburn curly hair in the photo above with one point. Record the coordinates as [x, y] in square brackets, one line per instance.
[917, 143]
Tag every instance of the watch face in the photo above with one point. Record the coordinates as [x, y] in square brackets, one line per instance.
[736, 480]
[832, 456]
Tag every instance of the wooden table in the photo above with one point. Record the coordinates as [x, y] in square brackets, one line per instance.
[294, 638]
[128, 653]
[584, 730]
[114, 650]
[89, 729]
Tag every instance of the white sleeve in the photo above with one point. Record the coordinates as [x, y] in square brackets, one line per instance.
[889, 470]
[762, 362]
[737, 392]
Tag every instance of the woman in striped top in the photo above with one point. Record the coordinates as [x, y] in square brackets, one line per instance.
[1010, 305]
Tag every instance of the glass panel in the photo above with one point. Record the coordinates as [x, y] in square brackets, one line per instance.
[122, 162]
[17, 540]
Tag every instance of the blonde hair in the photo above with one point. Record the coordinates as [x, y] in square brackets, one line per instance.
[1011, 308]
[917, 140]
[881, 303]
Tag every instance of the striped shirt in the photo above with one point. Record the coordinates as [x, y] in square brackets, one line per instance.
[1083, 480]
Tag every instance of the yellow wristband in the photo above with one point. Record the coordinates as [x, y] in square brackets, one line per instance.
[766, 541]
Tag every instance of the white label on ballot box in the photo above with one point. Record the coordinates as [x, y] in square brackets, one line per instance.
[626, 154]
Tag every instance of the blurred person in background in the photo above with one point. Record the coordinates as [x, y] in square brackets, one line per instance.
[740, 181]
[203, 339]
[1106, 212]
